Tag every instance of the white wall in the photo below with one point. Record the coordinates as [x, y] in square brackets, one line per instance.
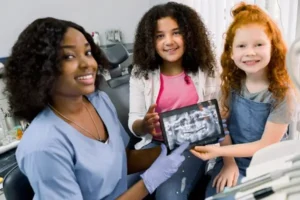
[93, 15]
[155, 2]
[287, 18]
[298, 21]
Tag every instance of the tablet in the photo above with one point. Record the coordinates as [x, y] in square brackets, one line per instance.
[199, 124]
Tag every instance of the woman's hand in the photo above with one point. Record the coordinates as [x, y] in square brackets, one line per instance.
[227, 177]
[206, 152]
[163, 167]
[151, 121]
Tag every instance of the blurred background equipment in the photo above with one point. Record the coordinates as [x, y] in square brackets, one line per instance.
[293, 66]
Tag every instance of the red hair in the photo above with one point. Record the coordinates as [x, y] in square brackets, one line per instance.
[231, 76]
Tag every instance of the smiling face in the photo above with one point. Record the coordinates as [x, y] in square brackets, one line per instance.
[169, 42]
[78, 66]
[251, 49]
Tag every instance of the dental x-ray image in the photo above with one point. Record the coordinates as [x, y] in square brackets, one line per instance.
[198, 124]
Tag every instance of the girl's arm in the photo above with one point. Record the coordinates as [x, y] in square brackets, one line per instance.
[273, 133]
[227, 141]
[228, 176]
[137, 105]
[141, 120]
[275, 128]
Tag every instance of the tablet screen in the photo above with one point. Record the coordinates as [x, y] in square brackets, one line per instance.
[197, 124]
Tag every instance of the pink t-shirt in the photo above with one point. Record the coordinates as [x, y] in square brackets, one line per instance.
[175, 92]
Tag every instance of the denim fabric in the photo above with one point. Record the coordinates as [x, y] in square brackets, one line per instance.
[246, 124]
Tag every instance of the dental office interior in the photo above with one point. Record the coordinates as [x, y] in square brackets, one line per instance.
[112, 24]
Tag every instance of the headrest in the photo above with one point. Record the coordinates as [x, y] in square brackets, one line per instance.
[1, 69]
[115, 54]
[3, 60]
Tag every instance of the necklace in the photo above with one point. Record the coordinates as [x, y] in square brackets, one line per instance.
[67, 119]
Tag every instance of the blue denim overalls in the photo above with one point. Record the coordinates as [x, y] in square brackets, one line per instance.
[246, 124]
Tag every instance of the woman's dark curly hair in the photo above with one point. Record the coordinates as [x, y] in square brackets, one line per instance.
[198, 50]
[34, 64]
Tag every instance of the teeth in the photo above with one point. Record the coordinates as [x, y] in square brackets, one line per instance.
[251, 61]
[85, 77]
[171, 49]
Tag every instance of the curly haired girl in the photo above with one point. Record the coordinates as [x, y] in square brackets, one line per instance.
[174, 66]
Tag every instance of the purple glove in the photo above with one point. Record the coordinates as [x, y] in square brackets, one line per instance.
[163, 167]
[226, 131]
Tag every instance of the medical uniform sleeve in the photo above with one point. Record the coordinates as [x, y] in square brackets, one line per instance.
[51, 174]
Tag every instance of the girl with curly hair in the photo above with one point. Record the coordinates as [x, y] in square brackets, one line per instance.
[174, 66]
[75, 146]
[257, 96]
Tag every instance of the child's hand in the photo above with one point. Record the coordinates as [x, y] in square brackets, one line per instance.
[228, 177]
[206, 152]
[150, 121]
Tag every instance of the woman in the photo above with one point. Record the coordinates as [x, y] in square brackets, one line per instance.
[73, 148]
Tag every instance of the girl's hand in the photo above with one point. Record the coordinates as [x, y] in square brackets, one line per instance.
[228, 177]
[206, 152]
[151, 121]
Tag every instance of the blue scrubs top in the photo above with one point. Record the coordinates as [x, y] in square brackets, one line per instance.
[62, 163]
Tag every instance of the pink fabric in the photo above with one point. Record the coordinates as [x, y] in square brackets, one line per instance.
[175, 92]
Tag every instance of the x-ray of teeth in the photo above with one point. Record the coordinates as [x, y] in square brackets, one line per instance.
[192, 126]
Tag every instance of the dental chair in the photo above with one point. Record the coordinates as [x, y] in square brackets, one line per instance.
[16, 185]
[115, 54]
[117, 88]
[118, 91]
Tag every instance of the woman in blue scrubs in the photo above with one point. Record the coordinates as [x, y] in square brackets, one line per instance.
[75, 146]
